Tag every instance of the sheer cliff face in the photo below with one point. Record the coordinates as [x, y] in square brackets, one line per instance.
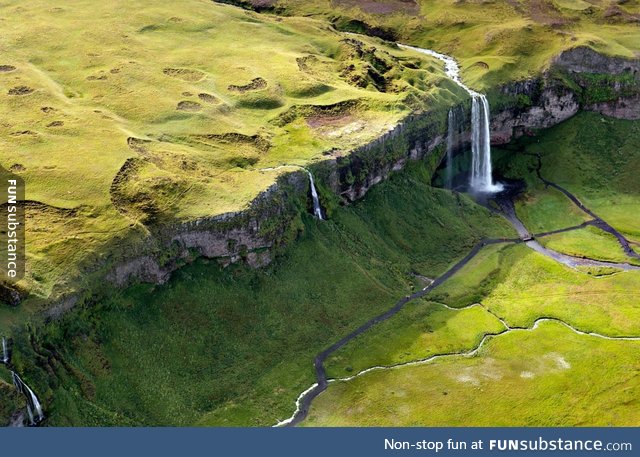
[580, 78]
[586, 60]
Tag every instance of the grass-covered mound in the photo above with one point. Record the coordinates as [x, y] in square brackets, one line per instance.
[235, 346]
[123, 116]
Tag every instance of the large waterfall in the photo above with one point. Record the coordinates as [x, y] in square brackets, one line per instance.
[481, 179]
[481, 176]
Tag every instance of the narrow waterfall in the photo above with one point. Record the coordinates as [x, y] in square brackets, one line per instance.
[34, 409]
[5, 351]
[481, 179]
[317, 210]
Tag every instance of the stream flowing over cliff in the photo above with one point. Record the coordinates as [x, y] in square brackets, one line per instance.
[253, 235]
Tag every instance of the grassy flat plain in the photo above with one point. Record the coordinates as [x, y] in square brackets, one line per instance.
[123, 116]
[548, 376]
[495, 42]
[519, 378]
[234, 346]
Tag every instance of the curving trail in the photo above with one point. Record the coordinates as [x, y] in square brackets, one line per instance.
[597, 220]
[303, 403]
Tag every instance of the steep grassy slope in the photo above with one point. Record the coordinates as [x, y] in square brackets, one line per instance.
[496, 41]
[235, 346]
[136, 116]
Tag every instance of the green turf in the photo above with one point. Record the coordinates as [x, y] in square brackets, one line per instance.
[545, 210]
[589, 242]
[495, 42]
[520, 285]
[546, 377]
[137, 116]
[421, 330]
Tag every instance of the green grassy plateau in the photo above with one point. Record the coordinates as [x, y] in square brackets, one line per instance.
[495, 41]
[123, 117]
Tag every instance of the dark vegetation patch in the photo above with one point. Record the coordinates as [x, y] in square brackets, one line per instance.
[309, 111]
[255, 84]
[480, 64]
[185, 74]
[332, 120]
[346, 24]
[138, 144]
[6, 68]
[366, 66]
[20, 90]
[254, 5]
[17, 167]
[545, 12]
[305, 63]
[208, 98]
[409, 7]
[186, 105]
[55, 124]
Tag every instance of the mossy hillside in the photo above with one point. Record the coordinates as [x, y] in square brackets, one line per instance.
[234, 346]
[495, 42]
[144, 117]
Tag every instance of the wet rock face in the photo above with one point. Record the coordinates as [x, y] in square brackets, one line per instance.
[554, 105]
[145, 269]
